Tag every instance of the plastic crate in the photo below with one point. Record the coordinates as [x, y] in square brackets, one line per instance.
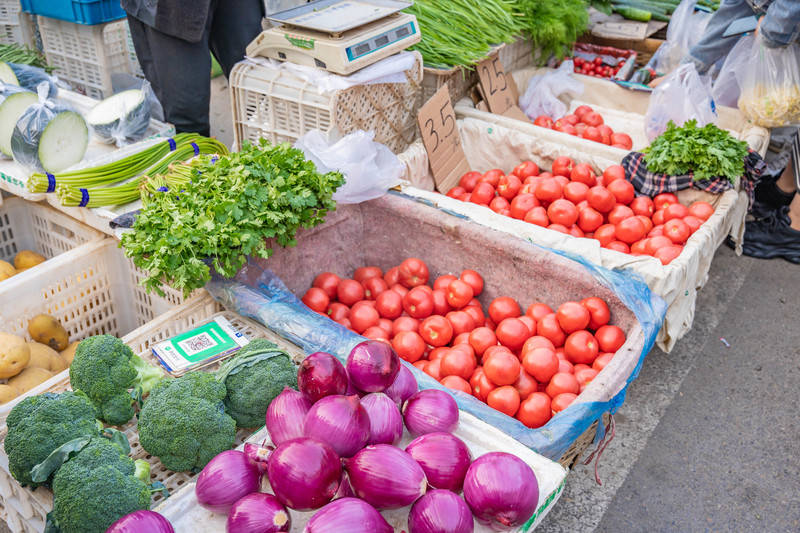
[16, 27]
[136, 68]
[9, 11]
[26, 510]
[86, 56]
[281, 107]
[79, 11]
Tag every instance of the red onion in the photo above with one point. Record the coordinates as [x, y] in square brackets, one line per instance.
[321, 374]
[440, 511]
[348, 515]
[258, 513]
[501, 489]
[386, 477]
[141, 522]
[385, 420]
[340, 421]
[430, 410]
[258, 455]
[404, 385]
[304, 473]
[443, 457]
[285, 416]
[372, 366]
[344, 490]
[226, 478]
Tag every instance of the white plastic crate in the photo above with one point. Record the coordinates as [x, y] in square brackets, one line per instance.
[15, 27]
[281, 107]
[9, 11]
[86, 56]
[136, 68]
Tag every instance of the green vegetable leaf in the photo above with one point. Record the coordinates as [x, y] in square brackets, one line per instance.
[41, 472]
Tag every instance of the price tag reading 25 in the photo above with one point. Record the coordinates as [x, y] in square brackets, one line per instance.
[437, 123]
[498, 87]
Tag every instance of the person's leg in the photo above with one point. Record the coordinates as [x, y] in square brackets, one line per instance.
[775, 235]
[772, 193]
[786, 181]
[234, 24]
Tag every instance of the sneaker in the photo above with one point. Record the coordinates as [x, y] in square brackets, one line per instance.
[772, 237]
[761, 210]
[768, 192]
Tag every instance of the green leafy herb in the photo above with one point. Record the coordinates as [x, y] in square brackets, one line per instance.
[552, 27]
[709, 152]
[221, 210]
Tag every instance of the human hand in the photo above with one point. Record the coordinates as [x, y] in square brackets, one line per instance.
[655, 82]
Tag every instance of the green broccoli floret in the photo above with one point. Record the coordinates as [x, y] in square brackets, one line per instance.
[39, 424]
[106, 369]
[254, 377]
[183, 422]
[98, 486]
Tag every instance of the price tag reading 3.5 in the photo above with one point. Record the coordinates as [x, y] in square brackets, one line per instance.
[437, 123]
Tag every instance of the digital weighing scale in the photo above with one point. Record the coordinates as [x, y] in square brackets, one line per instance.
[340, 36]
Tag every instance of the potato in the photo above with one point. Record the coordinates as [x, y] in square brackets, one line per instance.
[27, 259]
[7, 393]
[69, 352]
[47, 330]
[45, 357]
[6, 270]
[29, 378]
[14, 355]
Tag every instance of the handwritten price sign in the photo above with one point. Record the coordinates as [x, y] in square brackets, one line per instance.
[437, 123]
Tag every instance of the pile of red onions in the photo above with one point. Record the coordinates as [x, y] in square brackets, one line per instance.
[141, 522]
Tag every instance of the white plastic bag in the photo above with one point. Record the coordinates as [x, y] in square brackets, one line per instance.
[686, 28]
[124, 117]
[680, 97]
[726, 86]
[541, 95]
[370, 168]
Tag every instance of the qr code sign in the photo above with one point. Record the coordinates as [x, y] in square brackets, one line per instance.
[197, 344]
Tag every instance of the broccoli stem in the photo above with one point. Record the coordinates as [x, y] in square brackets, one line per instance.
[142, 471]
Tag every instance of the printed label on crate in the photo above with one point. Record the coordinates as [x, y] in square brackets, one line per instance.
[437, 123]
[199, 347]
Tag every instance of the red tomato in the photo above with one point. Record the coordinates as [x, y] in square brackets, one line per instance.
[508, 186]
[442, 282]
[349, 291]
[562, 166]
[460, 321]
[537, 310]
[591, 133]
[436, 330]
[544, 121]
[360, 303]
[613, 173]
[565, 127]
[529, 323]
[525, 384]
[654, 243]
[481, 338]
[457, 363]
[482, 194]
[440, 305]
[364, 273]
[408, 345]
[373, 287]
[412, 272]
[589, 219]
[418, 303]
[605, 133]
[622, 190]
[677, 230]
[389, 304]
[648, 224]
[619, 246]
[503, 307]
[481, 386]
[643, 205]
[583, 173]
[525, 170]
[345, 322]
[622, 139]
[316, 299]
[522, 204]
[512, 333]
[562, 382]
[377, 334]
[575, 191]
[392, 276]
[338, 311]
[558, 227]
[502, 368]
[575, 231]
[701, 210]
[585, 376]
[601, 199]
[610, 338]
[582, 347]
[537, 341]
[693, 222]
[438, 353]
[605, 234]
[456, 192]
[579, 128]
[474, 280]
[459, 293]
[602, 361]
[538, 216]
[664, 199]
[658, 217]
[469, 180]
[571, 119]
[461, 338]
[562, 212]
[592, 119]
[549, 190]
[562, 401]
[456, 383]
[492, 349]
[674, 211]
[328, 282]
[619, 213]
[630, 230]
[386, 325]
[504, 399]
[476, 313]
[582, 110]
[498, 204]
[564, 366]
[541, 363]
[572, 316]
[535, 410]
[548, 327]
[599, 312]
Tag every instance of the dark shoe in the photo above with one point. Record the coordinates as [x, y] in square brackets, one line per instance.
[760, 210]
[768, 192]
[772, 237]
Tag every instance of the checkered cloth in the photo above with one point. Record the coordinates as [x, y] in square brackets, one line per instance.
[652, 183]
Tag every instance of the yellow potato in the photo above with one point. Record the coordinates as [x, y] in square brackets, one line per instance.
[45, 357]
[29, 378]
[69, 352]
[14, 355]
[47, 330]
[6, 270]
[27, 259]
[7, 393]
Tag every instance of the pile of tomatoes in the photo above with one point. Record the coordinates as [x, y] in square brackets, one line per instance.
[571, 199]
[527, 365]
[586, 123]
[595, 67]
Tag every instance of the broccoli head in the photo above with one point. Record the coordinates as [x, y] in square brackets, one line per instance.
[105, 368]
[183, 422]
[253, 378]
[97, 486]
[39, 424]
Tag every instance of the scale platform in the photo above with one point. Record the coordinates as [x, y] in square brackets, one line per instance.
[340, 36]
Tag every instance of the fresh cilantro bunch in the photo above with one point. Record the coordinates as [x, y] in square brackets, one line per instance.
[709, 152]
[221, 210]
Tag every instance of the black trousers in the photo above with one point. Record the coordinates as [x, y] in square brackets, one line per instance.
[180, 71]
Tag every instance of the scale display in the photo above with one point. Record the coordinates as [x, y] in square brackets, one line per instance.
[376, 43]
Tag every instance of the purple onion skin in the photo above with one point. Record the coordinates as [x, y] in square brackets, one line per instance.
[386, 477]
[225, 479]
[340, 421]
[321, 374]
[304, 473]
[285, 416]
[501, 490]
[141, 522]
[257, 454]
[440, 511]
[348, 515]
[344, 490]
[372, 366]
[385, 420]
[403, 387]
[258, 513]
[429, 411]
[443, 457]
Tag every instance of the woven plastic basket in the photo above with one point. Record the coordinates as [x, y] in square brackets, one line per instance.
[281, 107]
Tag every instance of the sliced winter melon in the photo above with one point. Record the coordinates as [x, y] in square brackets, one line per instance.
[13, 103]
[7, 74]
[123, 116]
[29, 77]
[49, 139]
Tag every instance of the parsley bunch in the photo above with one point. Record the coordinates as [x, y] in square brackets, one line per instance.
[709, 152]
[221, 210]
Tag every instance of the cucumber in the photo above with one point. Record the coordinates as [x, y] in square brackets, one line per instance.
[643, 5]
[633, 13]
[14, 102]
[122, 116]
[49, 137]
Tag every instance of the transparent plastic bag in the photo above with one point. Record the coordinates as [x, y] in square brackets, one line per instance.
[29, 77]
[686, 28]
[370, 168]
[124, 117]
[682, 96]
[541, 95]
[726, 87]
[770, 85]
